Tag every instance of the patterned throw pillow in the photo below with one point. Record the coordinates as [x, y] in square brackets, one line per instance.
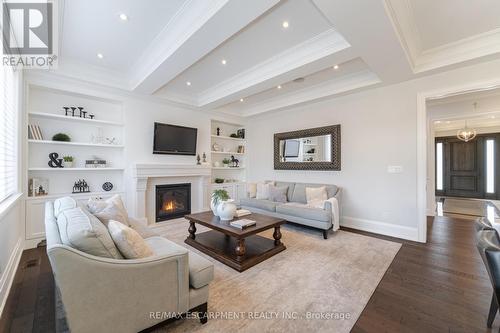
[128, 241]
[315, 194]
[278, 194]
[110, 209]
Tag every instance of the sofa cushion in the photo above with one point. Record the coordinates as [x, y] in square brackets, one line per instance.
[305, 212]
[299, 191]
[128, 241]
[63, 204]
[257, 203]
[83, 231]
[290, 188]
[201, 270]
[316, 194]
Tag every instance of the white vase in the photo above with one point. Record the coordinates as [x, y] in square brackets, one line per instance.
[226, 210]
[68, 164]
[214, 207]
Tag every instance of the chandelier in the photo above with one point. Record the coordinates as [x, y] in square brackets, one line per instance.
[466, 134]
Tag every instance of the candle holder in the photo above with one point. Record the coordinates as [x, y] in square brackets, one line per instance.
[66, 110]
[73, 109]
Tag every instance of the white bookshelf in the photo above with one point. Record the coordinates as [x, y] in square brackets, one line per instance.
[234, 178]
[86, 144]
[76, 169]
[73, 119]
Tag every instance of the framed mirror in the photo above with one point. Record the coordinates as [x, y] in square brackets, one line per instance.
[310, 149]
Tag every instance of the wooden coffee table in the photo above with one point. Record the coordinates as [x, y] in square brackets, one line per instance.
[239, 249]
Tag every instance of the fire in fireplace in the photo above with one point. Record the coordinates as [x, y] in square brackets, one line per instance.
[172, 201]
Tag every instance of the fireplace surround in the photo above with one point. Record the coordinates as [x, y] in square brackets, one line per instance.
[172, 201]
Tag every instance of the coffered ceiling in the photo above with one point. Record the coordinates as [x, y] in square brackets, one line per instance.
[242, 57]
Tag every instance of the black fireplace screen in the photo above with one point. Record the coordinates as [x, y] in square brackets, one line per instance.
[172, 201]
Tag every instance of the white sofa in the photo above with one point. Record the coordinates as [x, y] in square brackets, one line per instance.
[119, 295]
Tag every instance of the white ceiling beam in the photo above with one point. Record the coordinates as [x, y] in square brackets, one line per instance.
[197, 29]
[366, 25]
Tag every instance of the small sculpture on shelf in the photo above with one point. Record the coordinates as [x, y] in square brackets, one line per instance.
[81, 186]
[55, 161]
[66, 110]
[198, 159]
[218, 131]
[81, 114]
[234, 162]
[241, 133]
[204, 158]
[73, 109]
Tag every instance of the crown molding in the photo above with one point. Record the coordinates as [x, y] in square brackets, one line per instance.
[320, 46]
[421, 60]
[333, 87]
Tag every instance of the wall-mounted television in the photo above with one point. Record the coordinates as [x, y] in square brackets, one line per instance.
[174, 140]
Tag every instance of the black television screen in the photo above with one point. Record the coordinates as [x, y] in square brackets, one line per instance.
[175, 140]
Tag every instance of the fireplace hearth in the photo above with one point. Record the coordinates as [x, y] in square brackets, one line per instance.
[172, 201]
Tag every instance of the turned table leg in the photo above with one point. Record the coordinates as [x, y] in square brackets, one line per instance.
[192, 230]
[240, 247]
[277, 236]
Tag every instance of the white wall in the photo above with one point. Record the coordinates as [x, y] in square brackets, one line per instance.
[378, 130]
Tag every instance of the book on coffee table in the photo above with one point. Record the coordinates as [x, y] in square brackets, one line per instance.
[242, 212]
[242, 224]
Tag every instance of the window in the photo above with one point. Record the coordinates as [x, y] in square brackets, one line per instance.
[8, 133]
[439, 166]
[490, 166]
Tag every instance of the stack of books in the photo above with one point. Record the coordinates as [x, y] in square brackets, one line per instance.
[242, 224]
[95, 163]
[34, 132]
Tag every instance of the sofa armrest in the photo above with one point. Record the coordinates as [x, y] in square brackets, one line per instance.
[113, 295]
[141, 229]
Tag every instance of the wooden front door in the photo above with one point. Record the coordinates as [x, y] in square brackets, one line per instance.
[463, 168]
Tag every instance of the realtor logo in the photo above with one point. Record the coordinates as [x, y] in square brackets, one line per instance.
[28, 31]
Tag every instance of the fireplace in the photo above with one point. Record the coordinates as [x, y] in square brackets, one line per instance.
[172, 201]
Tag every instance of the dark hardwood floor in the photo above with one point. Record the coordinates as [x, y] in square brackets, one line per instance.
[440, 286]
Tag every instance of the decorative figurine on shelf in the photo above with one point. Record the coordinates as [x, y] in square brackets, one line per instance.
[198, 159]
[91, 116]
[204, 158]
[81, 186]
[107, 186]
[82, 113]
[55, 161]
[218, 131]
[111, 141]
[234, 162]
[66, 110]
[73, 109]
[241, 133]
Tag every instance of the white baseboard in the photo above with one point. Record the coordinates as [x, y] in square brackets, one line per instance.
[382, 228]
[10, 271]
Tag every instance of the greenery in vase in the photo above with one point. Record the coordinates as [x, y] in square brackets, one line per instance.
[219, 195]
[234, 135]
[61, 137]
[219, 180]
[226, 161]
[68, 158]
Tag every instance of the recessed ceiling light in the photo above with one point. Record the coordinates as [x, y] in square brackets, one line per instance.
[285, 24]
[123, 17]
[336, 67]
[100, 56]
[241, 99]
[223, 61]
[279, 87]
[188, 83]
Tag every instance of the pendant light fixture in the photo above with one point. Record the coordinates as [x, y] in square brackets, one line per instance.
[467, 134]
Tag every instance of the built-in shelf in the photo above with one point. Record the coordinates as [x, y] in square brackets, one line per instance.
[75, 169]
[76, 195]
[228, 168]
[227, 153]
[229, 183]
[78, 119]
[50, 142]
[228, 138]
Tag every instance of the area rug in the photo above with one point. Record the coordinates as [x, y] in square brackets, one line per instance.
[466, 207]
[315, 285]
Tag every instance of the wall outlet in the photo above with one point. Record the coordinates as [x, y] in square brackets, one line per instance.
[394, 169]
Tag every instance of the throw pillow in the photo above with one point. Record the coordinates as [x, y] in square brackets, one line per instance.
[262, 191]
[83, 231]
[278, 194]
[110, 209]
[315, 194]
[252, 190]
[128, 241]
[63, 204]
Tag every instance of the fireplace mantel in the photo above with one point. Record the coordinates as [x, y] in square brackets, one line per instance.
[143, 174]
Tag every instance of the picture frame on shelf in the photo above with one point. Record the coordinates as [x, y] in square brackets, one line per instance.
[38, 187]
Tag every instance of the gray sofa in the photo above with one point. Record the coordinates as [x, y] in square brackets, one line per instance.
[296, 209]
[102, 294]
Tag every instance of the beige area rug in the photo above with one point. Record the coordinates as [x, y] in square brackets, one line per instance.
[334, 277]
[466, 207]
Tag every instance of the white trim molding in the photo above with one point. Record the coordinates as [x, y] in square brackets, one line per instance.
[421, 60]
[7, 278]
[379, 227]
